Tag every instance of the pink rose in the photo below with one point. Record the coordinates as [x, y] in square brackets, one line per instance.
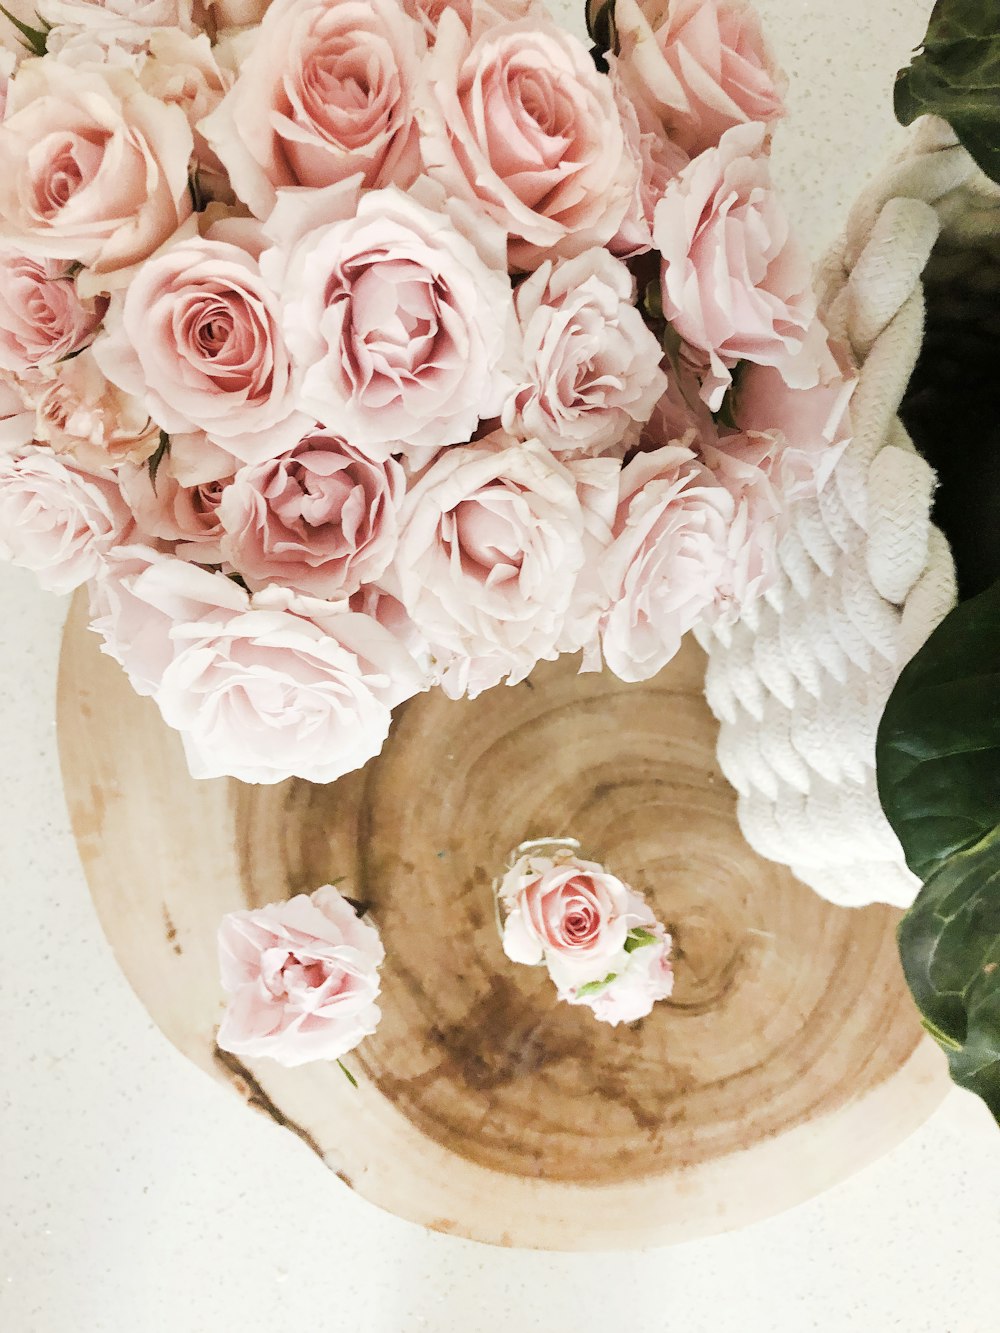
[322, 518]
[521, 123]
[261, 689]
[57, 521]
[166, 510]
[476, 16]
[402, 330]
[92, 168]
[591, 366]
[302, 978]
[114, 22]
[493, 539]
[701, 65]
[197, 336]
[182, 70]
[808, 429]
[745, 467]
[43, 318]
[664, 567]
[327, 92]
[734, 286]
[80, 413]
[646, 977]
[657, 160]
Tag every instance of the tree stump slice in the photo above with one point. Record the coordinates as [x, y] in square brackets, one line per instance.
[789, 1055]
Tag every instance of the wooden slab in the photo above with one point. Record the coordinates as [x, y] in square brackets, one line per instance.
[788, 1057]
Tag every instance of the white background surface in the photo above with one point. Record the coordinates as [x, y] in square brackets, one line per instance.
[136, 1196]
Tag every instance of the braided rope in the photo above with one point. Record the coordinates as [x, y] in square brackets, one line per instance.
[799, 684]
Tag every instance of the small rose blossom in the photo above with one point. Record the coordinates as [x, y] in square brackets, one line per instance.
[322, 519]
[591, 366]
[166, 511]
[645, 978]
[810, 428]
[701, 66]
[571, 915]
[734, 285]
[302, 978]
[197, 336]
[92, 168]
[401, 328]
[657, 160]
[520, 123]
[327, 92]
[493, 537]
[261, 689]
[43, 319]
[668, 557]
[80, 413]
[56, 520]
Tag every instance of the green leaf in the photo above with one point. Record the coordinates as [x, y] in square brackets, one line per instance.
[938, 746]
[638, 938]
[347, 1074]
[938, 766]
[595, 987]
[162, 449]
[956, 75]
[35, 39]
[950, 945]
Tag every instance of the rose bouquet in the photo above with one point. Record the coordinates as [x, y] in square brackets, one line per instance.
[350, 350]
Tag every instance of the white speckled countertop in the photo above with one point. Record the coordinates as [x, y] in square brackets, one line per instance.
[136, 1196]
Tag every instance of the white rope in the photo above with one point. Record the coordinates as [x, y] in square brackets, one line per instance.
[800, 683]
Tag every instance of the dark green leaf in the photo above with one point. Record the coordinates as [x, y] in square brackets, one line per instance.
[34, 39]
[595, 987]
[938, 747]
[163, 448]
[956, 75]
[950, 945]
[347, 1074]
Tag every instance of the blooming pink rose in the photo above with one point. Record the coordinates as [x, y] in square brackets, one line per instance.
[401, 329]
[56, 520]
[43, 319]
[17, 420]
[327, 92]
[646, 977]
[493, 538]
[197, 336]
[476, 15]
[166, 510]
[183, 71]
[809, 428]
[92, 168]
[261, 688]
[80, 413]
[701, 65]
[734, 286]
[591, 366]
[667, 560]
[302, 978]
[521, 123]
[657, 160]
[322, 519]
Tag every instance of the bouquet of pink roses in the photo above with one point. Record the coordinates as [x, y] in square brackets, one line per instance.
[351, 349]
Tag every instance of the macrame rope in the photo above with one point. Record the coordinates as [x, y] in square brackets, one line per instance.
[800, 683]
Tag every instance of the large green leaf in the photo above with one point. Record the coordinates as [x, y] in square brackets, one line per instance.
[938, 747]
[956, 75]
[938, 756]
[949, 942]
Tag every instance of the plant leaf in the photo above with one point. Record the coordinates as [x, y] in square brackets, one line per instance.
[938, 746]
[638, 938]
[938, 765]
[950, 945]
[595, 987]
[956, 75]
[162, 449]
[35, 39]
[347, 1074]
